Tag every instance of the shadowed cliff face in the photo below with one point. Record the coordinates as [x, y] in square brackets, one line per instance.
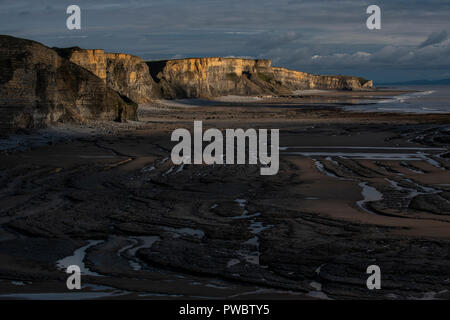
[209, 77]
[126, 74]
[38, 87]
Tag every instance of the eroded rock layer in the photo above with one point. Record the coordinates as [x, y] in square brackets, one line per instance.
[38, 87]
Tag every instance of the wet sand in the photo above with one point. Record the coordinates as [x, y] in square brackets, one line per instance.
[354, 189]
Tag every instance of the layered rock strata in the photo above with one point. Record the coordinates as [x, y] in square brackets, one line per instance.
[209, 77]
[127, 74]
[38, 87]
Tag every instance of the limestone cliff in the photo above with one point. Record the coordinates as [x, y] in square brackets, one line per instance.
[209, 77]
[126, 74]
[39, 87]
[200, 77]
[296, 80]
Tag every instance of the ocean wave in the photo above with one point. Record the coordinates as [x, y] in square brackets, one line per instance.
[404, 97]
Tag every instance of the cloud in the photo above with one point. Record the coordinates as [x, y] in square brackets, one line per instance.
[388, 57]
[268, 40]
[326, 36]
[434, 38]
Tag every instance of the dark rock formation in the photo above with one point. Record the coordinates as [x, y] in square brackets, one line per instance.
[209, 77]
[127, 74]
[38, 87]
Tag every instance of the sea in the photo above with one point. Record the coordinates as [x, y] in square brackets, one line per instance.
[422, 99]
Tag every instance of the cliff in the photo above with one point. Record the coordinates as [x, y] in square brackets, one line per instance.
[126, 74]
[209, 77]
[200, 77]
[38, 87]
[296, 80]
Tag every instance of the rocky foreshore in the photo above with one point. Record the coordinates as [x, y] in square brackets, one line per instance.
[99, 189]
[144, 228]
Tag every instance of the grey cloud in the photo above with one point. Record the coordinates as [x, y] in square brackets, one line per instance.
[269, 40]
[433, 58]
[435, 38]
[316, 36]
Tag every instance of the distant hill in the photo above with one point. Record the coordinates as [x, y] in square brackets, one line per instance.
[420, 82]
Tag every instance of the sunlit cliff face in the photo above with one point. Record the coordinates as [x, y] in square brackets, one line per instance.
[125, 73]
[203, 77]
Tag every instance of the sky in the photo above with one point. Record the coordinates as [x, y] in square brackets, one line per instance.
[323, 37]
